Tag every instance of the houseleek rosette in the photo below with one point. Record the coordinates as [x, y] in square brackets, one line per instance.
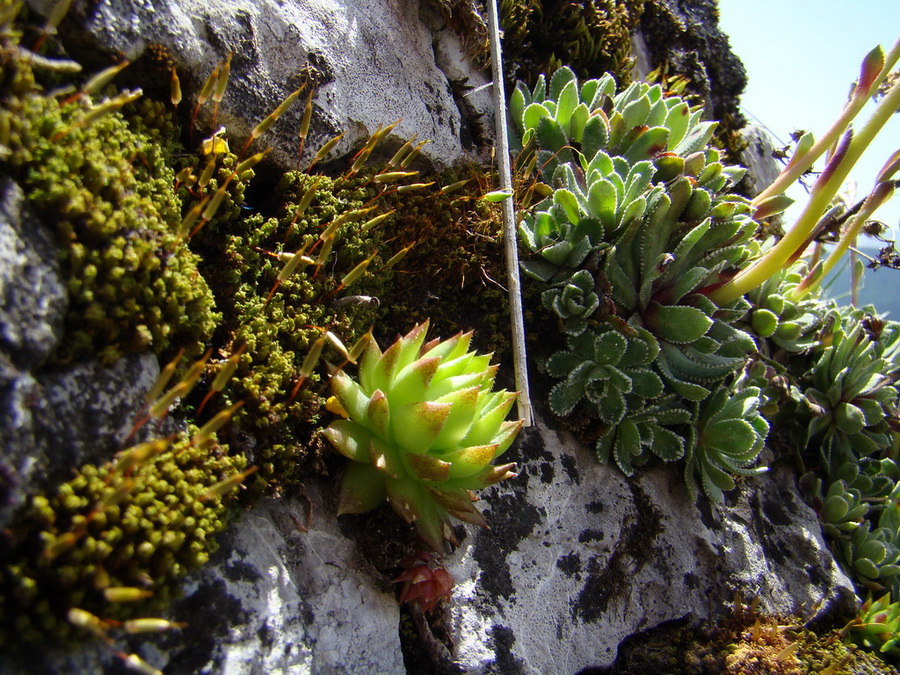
[852, 393]
[422, 427]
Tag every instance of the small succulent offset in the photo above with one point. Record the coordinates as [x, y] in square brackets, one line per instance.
[422, 427]
[788, 323]
[573, 301]
[878, 625]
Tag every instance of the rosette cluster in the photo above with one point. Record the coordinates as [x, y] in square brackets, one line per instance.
[636, 227]
[423, 427]
[851, 391]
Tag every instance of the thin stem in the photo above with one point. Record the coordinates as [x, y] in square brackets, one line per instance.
[827, 185]
[878, 196]
[509, 220]
[802, 161]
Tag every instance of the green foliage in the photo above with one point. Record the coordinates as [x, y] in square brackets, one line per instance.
[730, 433]
[278, 329]
[786, 322]
[422, 428]
[877, 626]
[850, 391]
[637, 227]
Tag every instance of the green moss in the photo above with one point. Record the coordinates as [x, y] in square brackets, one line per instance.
[455, 274]
[107, 193]
[143, 528]
[591, 37]
[278, 331]
[743, 643]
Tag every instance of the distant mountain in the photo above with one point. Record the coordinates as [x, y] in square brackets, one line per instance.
[880, 287]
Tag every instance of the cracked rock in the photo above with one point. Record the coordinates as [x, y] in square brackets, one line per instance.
[579, 557]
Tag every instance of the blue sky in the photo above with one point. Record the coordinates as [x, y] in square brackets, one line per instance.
[801, 58]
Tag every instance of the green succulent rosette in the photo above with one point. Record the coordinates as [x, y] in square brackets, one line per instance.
[573, 302]
[728, 435]
[851, 393]
[878, 625]
[422, 426]
[788, 323]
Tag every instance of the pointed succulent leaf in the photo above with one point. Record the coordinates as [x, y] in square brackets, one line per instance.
[561, 78]
[567, 200]
[668, 166]
[627, 446]
[550, 134]
[602, 202]
[677, 122]
[533, 114]
[412, 382]
[648, 145]
[427, 467]
[362, 489]
[610, 403]
[595, 137]
[489, 476]
[696, 139]
[350, 439]
[579, 119]
[469, 461]
[566, 103]
[458, 504]
[849, 418]
[665, 443]
[351, 396]
[464, 404]
[678, 323]
[485, 428]
[517, 104]
[417, 425]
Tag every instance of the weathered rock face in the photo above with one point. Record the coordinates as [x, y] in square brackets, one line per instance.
[579, 557]
[276, 598]
[375, 63]
[686, 35]
[51, 419]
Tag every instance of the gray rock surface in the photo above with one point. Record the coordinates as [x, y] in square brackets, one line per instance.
[277, 599]
[579, 557]
[33, 297]
[757, 157]
[375, 63]
[51, 419]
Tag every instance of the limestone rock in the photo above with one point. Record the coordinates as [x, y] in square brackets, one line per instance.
[273, 599]
[578, 558]
[374, 62]
[32, 295]
[51, 419]
[757, 157]
[278, 599]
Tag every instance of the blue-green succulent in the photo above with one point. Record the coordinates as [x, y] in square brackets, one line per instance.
[727, 437]
[636, 227]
